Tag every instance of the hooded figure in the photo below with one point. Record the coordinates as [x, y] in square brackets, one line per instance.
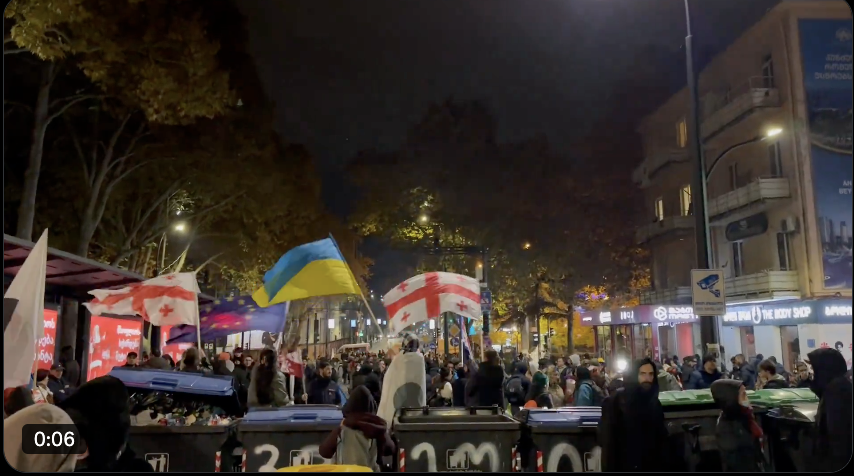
[632, 432]
[101, 413]
[368, 377]
[35, 463]
[405, 382]
[832, 447]
[738, 436]
[362, 436]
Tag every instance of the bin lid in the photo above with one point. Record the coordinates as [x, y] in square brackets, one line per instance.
[295, 414]
[575, 417]
[686, 397]
[219, 388]
[326, 468]
[775, 397]
[804, 412]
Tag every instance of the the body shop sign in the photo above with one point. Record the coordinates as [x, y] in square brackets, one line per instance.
[772, 315]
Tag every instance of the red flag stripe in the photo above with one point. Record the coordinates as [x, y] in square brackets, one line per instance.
[430, 292]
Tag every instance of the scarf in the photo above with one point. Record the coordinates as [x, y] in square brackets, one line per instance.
[754, 427]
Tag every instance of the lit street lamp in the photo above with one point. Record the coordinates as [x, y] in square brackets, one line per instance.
[180, 227]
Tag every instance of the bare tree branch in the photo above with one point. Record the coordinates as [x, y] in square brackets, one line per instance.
[67, 105]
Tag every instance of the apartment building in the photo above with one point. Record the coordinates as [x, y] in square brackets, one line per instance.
[777, 137]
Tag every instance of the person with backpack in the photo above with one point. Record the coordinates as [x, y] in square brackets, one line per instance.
[538, 395]
[587, 393]
[516, 387]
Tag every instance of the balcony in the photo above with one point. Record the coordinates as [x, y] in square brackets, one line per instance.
[657, 161]
[723, 108]
[757, 193]
[764, 285]
[663, 227]
[677, 295]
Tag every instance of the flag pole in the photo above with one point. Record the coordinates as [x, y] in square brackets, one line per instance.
[361, 293]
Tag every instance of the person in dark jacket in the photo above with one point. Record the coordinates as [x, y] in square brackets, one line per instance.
[156, 361]
[750, 372]
[488, 383]
[587, 393]
[632, 432]
[704, 377]
[57, 386]
[738, 435]
[100, 411]
[367, 377]
[803, 379]
[768, 374]
[459, 387]
[538, 394]
[832, 445]
[517, 399]
[779, 367]
[687, 369]
[322, 390]
[363, 438]
[71, 374]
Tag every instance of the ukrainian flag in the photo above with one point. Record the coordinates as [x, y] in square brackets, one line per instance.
[313, 269]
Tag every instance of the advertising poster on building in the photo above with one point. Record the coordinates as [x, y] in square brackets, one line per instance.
[826, 47]
[110, 340]
[47, 344]
[176, 351]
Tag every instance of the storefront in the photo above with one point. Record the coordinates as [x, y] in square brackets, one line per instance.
[788, 330]
[643, 331]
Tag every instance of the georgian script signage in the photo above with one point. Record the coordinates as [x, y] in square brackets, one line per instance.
[639, 315]
[773, 315]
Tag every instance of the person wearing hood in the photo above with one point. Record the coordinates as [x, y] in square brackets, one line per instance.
[706, 375]
[62, 461]
[832, 444]
[587, 393]
[632, 432]
[738, 435]
[517, 386]
[538, 394]
[363, 437]
[99, 409]
[367, 377]
[488, 383]
[769, 376]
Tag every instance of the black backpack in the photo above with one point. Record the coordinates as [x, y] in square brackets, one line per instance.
[514, 392]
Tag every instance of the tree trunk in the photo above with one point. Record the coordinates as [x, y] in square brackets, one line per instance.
[27, 209]
[145, 261]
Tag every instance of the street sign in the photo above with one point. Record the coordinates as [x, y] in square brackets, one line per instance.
[454, 330]
[486, 301]
[431, 346]
[455, 341]
[707, 292]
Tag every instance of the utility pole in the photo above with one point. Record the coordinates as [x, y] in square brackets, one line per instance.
[708, 324]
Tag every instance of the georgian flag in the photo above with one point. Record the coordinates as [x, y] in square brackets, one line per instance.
[167, 300]
[427, 296]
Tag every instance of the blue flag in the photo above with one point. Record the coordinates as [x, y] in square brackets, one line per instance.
[232, 316]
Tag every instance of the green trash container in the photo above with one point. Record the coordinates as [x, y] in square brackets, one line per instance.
[691, 417]
[787, 417]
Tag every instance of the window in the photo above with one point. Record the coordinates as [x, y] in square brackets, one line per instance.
[659, 209]
[682, 133]
[768, 72]
[685, 200]
[783, 252]
[733, 176]
[776, 162]
[737, 259]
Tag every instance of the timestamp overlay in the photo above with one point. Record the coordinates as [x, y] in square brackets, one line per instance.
[48, 439]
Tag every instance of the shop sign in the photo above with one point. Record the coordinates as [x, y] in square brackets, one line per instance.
[673, 313]
[604, 317]
[834, 312]
[627, 316]
[792, 314]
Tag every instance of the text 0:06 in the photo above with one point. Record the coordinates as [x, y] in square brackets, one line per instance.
[56, 439]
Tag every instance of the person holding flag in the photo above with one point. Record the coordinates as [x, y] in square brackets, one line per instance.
[405, 382]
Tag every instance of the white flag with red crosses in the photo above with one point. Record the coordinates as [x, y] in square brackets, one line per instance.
[168, 300]
[427, 296]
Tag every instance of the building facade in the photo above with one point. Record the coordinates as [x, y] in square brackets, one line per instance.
[776, 130]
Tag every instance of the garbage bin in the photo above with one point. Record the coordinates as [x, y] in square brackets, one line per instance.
[455, 439]
[787, 417]
[562, 440]
[276, 438]
[691, 418]
[192, 448]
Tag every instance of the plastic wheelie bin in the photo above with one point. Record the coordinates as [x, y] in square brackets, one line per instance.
[787, 416]
[561, 440]
[691, 418]
[192, 448]
[277, 438]
[455, 439]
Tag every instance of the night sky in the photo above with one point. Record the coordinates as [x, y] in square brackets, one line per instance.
[352, 75]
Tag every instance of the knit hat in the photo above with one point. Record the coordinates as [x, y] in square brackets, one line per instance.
[541, 378]
[410, 344]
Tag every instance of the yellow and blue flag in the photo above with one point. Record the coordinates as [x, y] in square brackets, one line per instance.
[309, 270]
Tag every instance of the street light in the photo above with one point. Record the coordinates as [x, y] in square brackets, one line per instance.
[423, 219]
[180, 227]
[526, 246]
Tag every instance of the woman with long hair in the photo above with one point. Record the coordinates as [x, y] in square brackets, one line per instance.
[267, 385]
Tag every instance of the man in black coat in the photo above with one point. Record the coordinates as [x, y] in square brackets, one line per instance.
[632, 432]
[832, 445]
[488, 384]
[369, 378]
[322, 390]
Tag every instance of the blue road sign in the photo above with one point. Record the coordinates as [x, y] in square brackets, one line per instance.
[486, 301]
[455, 341]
